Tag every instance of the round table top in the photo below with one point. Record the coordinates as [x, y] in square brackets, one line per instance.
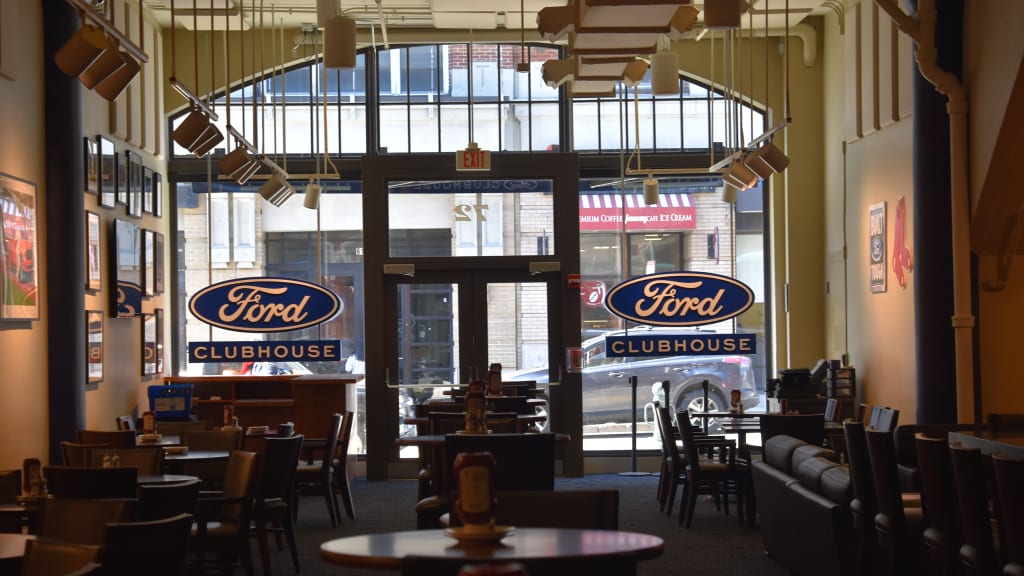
[197, 456]
[163, 440]
[524, 544]
[12, 545]
[151, 479]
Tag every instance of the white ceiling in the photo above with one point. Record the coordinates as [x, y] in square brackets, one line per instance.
[436, 14]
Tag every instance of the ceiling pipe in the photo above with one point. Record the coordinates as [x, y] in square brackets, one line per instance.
[922, 31]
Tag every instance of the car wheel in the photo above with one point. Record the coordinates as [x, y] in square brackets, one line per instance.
[694, 402]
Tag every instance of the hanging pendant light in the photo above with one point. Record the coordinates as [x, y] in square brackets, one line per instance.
[650, 191]
[340, 43]
[312, 197]
[665, 73]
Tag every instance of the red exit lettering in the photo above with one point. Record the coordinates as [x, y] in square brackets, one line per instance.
[473, 159]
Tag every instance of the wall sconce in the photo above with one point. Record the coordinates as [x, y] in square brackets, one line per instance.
[767, 160]
[312, 196]
[650, 191]
[276, 189]
[340, 43]
[740, 176]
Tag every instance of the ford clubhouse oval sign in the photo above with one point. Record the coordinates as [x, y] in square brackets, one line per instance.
[264, 304]
[679, 298]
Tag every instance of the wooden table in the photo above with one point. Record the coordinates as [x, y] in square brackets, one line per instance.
[583, 548]
[152, 479]
[437, 440]
[1009, 443]
[12, 550]
[163, 440]
[175, 463]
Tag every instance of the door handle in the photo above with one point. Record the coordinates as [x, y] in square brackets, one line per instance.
[617, 374]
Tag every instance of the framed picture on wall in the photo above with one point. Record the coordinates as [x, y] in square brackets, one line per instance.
[94, 345]
[158, 195]
[159, 314]
[19, 296]
[108, 172]
[147, 190]
[121, 165]
[93, 275]
[148, 344]
[147, 262]
[134, 184]
[91, 163]
[158, 263]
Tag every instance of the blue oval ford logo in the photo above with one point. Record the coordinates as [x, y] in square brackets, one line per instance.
[679, 298]
[264, 304]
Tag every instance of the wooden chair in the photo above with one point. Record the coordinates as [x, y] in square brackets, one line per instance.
[112, 438]
[159, 501]
[75, 454]
[222, 521]
[49, 557]
[673, 466]
[942, 536]
[977, 554]
[153, 547]
[275, 495]
[1009, 477]
[10, 489]
[318, 477]
[212, 473]
[148, 461]
[864, 413]
[899, 529]
[887, 420]
[807, 427]
[1006, 422]
[340, 464]
[83, 521]
[702, 476]
[863, 506]
[75, 482]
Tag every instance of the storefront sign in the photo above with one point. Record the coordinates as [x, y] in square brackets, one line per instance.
[279, 351]
[680, 344]
[603, 212]
[264, 304]
[679, 298]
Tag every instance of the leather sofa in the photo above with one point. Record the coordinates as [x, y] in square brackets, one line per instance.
[803, 502]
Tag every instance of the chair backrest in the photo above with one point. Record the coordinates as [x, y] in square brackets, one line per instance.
[159, 501]
[938, 497]
[864, 413]
[888, 497]
[887, 419]
[524, 461]
[212, 439]
[340, 463]
[583, 509]
[1009, 477]
[1004, 422]
[280, 462]
[83, 521]
[690, 451]
[807, 427]
[155, 547]
[10, 486]
[239, 483]
[148, 461]
[969, 478]
[863, 505]
[663, 420]
[125, 423]
[515, 404]
[76, 482]
[75, 454]
[334, 431]
[49, 557]
[112, 438]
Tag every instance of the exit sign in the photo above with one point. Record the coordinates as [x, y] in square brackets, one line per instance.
[472, 158]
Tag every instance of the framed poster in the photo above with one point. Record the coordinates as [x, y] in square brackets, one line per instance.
[126, 275]
[121, 165]
[91, 164]
[19, 290]
[93, 276]
[148, 344]
[158, 195]
[877, 246]
[94, 345]
[159, 313]
[134, 184]
[158, 263]
[108, 172]
[147, 190]
[147, 262]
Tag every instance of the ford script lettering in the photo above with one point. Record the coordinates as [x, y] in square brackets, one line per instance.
[679, 299]
[264, 304]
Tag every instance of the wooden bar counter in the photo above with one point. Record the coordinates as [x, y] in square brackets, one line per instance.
[308, 400]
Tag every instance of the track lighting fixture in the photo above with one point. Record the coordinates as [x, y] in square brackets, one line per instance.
[740, 176]
[312, 197]
[729, 193]
[650, 191]
[276, 189]
[340, 43]
[767, 160]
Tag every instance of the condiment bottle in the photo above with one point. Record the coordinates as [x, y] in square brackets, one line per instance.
[148, 423]
[474, 502]
[494, 380]
[476, 422]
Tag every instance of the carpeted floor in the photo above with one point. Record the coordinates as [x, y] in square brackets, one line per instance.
[716, 544]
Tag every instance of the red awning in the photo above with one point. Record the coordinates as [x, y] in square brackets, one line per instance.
[604, 212]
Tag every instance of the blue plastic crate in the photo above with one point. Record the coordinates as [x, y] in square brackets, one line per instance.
[171, 400]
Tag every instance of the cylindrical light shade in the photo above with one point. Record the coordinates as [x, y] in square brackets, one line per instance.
[740, 176]
[340, 43]
[242, 175]
[105, 65]
[665, 73]
[312, 198]
[650, 191]
[729, 193]
[190, 129]
[84, 46]
[112, 86]
[722, 13]
[773, 157]
[234, 161]
[755, 162]
[326, 10]
[276, 190]
[210, 138]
